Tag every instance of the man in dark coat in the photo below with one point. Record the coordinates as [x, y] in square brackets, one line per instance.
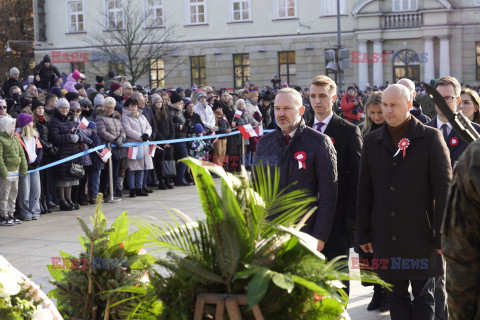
[13, 81]
[347, 140]
[460, 237]
[416, 107]
[450, 89]
[404, 177]
[44, 74]
[304, 156]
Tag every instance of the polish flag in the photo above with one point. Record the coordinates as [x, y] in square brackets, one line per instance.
[247, 131]
[84, 123]
[105, 154]
[259, 130]
[238, 114]
[132, 153]
[152, 149]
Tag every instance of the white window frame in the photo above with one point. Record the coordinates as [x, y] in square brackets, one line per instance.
[231, 11]
[404, 5]
[277, 6]
[116, 10]
[187, 12]
[77, 13]
[151, 12]
[323, 7]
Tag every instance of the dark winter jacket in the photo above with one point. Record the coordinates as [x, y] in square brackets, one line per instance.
[59, 132]
[9, 84]
[417, 113]
[191, 121]
[267, 113]
[47, 75]
[319, 177]
[165, 128]
[401, 201]
[147, 112]
[222, 125]
[178, 120]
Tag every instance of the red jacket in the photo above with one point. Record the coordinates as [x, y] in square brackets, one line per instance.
[350, 111]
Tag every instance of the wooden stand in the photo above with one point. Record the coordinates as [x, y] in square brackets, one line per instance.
[230, 302]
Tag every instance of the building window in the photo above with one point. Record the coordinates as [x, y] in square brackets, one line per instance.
[285, 9]
[196, 11]
[75, 16]
[477, 47]
[114, 14]
[157, 73]
[77, 66]
[241, 69]
[404, 5]
[329, 7]
[154, 13]
[406, 64]
[286, 67]
[240, 10]
[198, 70]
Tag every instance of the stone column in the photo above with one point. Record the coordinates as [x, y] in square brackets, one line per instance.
[444, 55]
[362, 65]
[378, 66]
[429, 67]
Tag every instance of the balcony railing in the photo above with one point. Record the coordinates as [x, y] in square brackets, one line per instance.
[403, 20]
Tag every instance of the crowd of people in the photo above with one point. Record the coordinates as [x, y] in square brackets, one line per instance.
[317, 143]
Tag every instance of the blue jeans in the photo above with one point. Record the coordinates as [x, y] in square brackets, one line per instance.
[180, 151]
[29, 188]
[423, 305]
[146, 177]
[135, 179]
[94, 182]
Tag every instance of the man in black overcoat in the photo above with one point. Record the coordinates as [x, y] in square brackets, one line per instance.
[404, 177]
[304, 156]
[347, 140]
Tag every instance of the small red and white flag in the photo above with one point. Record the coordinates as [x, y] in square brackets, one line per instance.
[132, 153]
[152, 149]
[238, 114]
[105, 154]
[84, 123]
[247, 131]
[259, 130]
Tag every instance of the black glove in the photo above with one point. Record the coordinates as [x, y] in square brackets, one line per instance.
[144, 137]
[119, 142]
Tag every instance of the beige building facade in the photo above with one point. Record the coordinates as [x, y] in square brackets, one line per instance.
[228, 42]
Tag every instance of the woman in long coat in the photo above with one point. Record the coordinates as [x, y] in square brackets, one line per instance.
[61, 132]
[137, 129]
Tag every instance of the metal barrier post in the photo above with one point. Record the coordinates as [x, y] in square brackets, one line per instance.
[111, 198]
[243, 151]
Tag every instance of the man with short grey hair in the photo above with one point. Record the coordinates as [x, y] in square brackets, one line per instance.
[127, 90]
[305, 157]
[13, 81]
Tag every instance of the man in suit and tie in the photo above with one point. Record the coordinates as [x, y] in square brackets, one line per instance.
[450, 89]
[347, 140]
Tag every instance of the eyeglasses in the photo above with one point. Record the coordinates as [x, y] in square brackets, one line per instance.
[77, 111]
[3, 107]
[449, 99]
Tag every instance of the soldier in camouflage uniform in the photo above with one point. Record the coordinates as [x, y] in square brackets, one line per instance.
[460, 237]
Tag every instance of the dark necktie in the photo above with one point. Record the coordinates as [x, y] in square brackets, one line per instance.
[444, 131]
[319, 126]
[287, 138]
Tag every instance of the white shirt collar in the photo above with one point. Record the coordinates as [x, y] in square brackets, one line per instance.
[440, 123]
[326, 121]
[291, 134]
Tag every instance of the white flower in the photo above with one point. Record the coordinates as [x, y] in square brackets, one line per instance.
[8, 285]
[336, 283]
[42, 314]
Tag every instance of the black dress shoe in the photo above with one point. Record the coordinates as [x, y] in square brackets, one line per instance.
[132, 193]
[168, 185]
[147, 190]
[64, 206]
[141, 193]
[52, 205]
[384, 304]
[73, 205]
[377, 296]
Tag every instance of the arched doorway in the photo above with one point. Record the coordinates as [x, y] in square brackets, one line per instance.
[406, 64]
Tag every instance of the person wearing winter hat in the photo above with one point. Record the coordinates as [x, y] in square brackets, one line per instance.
[29, 187]
[72, 96]
[203, 109]
[89, 92]
[72, 80]
[81, 90]
[87, 109]
[109, 79]
[63, 102]
[116, 92]
[95, 170]
[25, 104]
[44, 74]
[13, 163]
[13, 81]
[57, 91]
[181, 91]
[98, 101]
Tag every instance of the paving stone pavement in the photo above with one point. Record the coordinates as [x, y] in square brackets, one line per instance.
[31, 245]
